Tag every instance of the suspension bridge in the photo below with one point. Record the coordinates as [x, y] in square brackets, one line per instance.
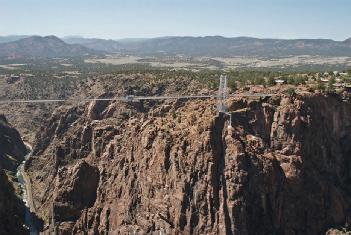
[221, 97]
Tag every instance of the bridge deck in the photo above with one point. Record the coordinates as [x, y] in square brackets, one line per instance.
[133, 98]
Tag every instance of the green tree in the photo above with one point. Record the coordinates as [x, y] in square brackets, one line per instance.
[291, 81]
[331, 82]
[291, 92]
[232, 84]
[259, 81]
[330, 88]
[270, 81]
[320, 85]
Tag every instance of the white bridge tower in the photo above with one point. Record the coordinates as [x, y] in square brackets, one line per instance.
[222, 98]
[222, 94]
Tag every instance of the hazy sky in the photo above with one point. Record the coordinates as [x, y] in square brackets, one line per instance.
[151, 18]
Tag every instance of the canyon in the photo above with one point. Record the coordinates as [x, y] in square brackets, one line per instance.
[12, 152]
[158, 117]
[176, 167]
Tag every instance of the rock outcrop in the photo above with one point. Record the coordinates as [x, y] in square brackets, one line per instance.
[284, 168]
[12, 148]
[76, 190]
[12, 152]
[11, 208]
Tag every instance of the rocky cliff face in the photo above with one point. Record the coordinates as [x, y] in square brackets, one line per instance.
[12, 148]
[284, 167]
[12, 152]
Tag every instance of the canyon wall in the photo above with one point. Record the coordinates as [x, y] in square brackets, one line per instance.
[12, 152]
[114, 168]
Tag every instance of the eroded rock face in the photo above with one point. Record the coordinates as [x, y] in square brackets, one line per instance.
[76, 190]
[284, 168]
[12, 152]
[12, 148]
[11, 208]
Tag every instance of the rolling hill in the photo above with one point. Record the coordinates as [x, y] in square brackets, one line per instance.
[11, 38]
[42, 47]
[217, 46]
[348, 41]
[210, 46]
[95, 43]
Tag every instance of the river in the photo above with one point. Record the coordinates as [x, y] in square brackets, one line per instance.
[28, 219]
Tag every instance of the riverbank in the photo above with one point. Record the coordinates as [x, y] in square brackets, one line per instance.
[25, 183]
[28, 185]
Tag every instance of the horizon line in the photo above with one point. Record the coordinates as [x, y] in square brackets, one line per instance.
[172, 36]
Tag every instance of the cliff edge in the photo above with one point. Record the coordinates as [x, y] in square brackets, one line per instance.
[12, 152]
[283, 167]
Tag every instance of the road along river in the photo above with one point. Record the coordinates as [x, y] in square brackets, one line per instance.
[27, 195]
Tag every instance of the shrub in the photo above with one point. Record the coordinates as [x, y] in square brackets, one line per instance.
[291, 92]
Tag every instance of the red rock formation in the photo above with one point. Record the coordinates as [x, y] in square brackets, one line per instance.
[284, 168]
[76, 191]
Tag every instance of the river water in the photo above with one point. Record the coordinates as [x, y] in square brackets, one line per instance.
[28, 219]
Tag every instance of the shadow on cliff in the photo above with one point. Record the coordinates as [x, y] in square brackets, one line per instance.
[34, 223]
[219, 181]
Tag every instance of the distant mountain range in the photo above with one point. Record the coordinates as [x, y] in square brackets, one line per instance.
[216, 46]
[12, 38]
[210, 46]
[95, 43]
[348, 41]
[41, 47]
